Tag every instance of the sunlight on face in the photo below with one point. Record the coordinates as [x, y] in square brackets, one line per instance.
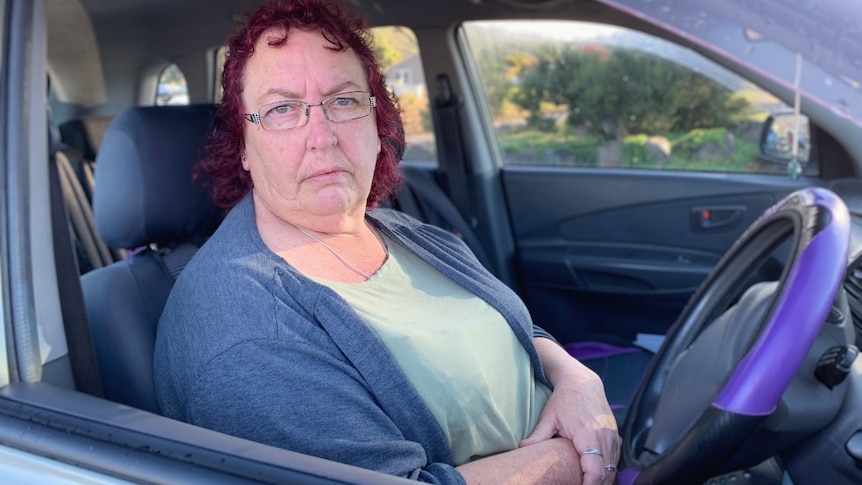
[322, 168]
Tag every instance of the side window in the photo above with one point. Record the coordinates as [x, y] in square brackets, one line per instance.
[172, 88]
[588, 95]
[397, 52]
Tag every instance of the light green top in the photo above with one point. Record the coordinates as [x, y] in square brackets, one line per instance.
[457, 351]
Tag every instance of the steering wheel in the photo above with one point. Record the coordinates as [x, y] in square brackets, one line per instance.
[729, 357]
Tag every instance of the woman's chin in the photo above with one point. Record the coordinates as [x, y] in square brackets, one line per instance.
[333, 201]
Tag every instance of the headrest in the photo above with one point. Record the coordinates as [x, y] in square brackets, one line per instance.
[144, 187]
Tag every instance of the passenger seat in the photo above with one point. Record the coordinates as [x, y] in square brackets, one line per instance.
[146, 198]
[421, 197]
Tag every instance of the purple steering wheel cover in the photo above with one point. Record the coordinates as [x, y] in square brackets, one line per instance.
[765, 372]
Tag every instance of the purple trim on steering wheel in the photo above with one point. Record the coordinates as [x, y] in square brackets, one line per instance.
[765, 372]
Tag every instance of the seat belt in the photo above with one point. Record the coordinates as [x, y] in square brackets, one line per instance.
[430, 194]
[405, 201]
[452, 154]
[82, 356]
[81, 215]
[175, 259]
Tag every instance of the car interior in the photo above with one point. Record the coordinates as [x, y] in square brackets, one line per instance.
[620, 263]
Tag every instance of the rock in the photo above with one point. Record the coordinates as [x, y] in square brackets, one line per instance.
[659, 149]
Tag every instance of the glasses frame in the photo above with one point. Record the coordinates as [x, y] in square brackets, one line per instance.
[257, 119]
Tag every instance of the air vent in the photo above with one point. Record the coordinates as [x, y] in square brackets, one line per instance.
[853, 282]
[853, 287]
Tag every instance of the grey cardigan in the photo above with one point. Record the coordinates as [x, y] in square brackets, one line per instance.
[250, 347]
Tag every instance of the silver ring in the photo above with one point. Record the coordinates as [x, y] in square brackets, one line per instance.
[592, 451]
[611, 468]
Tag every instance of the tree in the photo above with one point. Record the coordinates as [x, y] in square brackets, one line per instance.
[392, 44]
[613, 92]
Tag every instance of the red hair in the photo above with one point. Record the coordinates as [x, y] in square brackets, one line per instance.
[221, 169]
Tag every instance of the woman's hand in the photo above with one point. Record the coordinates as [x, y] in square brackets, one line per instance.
[579, 411]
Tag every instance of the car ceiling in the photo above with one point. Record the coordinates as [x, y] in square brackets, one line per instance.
[82, 48]
[125, 29]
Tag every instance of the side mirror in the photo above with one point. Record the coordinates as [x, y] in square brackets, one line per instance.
[776, 138]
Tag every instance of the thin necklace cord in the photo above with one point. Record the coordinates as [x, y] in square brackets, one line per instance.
[340, 257]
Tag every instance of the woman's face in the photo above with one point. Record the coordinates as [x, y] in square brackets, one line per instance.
[322, 168]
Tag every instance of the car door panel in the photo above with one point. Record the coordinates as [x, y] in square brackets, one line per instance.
[114, 443]
[608, 254]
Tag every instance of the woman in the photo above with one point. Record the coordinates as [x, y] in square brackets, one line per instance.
[311, 322]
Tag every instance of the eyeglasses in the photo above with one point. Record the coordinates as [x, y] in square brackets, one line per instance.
[286, 115]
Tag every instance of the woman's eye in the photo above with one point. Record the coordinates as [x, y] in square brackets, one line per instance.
[282, 109]
[344, 102]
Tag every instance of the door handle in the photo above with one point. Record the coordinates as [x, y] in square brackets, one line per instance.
[710, 218]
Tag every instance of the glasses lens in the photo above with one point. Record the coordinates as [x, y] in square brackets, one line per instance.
[347, 106]
[283, 116]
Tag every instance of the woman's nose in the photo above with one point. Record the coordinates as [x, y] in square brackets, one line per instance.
[321, 131]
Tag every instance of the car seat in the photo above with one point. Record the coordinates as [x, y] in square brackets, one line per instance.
[146, 199]
[421, 197]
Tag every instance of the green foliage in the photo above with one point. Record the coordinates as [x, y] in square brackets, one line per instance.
[391, 45]
[635, 153]
[414, 113]
[385, 55]
[538, 122]
[539, 146]
[611, 92]
[498, 65]
[533, 147]
[699, 137]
